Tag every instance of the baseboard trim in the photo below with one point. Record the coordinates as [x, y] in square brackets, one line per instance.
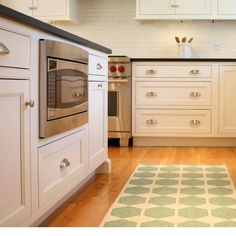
[183, 142]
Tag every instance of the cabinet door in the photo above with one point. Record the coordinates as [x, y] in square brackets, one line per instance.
[15, 200]
[156, 7]
[24, 6]
[56, 8]
[227, 98]
[193, 7]
[226, 7]
[97, 123]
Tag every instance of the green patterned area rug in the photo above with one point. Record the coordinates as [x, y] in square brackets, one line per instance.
[175, 196]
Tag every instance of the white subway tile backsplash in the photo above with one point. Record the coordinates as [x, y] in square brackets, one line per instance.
[111, 23]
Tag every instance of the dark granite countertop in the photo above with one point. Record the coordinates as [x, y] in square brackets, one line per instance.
[30, 21]
[182, 59]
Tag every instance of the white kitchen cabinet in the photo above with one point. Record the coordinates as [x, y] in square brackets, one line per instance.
[227, 111]
[53, 10]
[226, 7]
[61, 166]
[173, 9]
[15, 204]
[97, 122]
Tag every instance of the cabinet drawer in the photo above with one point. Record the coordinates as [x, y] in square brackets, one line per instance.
[60, 164]
[177, 71]
[98, 65]
[172, 93]
[173, 121]
[14, 50]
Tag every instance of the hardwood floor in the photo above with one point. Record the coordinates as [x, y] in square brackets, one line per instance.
[89, 206]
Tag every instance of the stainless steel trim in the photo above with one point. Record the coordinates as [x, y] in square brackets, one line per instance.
[72, 119]
[3, 49]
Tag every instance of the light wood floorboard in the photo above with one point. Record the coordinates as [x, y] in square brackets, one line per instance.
[88, 207]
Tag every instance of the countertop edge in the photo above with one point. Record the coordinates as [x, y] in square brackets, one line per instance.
[30, 21]
[182, 59]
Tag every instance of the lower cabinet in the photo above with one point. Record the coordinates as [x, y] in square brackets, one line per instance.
[97, 123]
[227, 111]
[15, 204]
[61, 166]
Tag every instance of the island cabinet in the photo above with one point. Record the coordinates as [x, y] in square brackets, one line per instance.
[15, 110]
[184, 99]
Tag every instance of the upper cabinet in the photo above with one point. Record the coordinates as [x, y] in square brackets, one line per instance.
[226, 8]
[56, 10]
[173, 9]
[185, 9]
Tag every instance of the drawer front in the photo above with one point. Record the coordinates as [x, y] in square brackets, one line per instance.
[98, 65]
[172, 93]
[60, 163]
[14, 50]
[173, 121]
[176, 71]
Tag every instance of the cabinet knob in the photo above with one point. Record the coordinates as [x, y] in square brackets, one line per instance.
[151, 122]
[151, 72]
[151, 94]
[195, 94]
[195, 122]
[30, 103]
[100, 85]
[195, 72]
[64, 164]
[99, 66]
[3, 49]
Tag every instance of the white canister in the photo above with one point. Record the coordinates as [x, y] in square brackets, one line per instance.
[184, 50]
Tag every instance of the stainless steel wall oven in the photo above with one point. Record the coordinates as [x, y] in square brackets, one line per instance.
[63, 87]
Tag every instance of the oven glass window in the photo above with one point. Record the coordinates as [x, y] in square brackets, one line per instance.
[67, 86]
[113, 103]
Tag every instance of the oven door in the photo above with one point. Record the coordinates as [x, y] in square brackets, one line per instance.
[67, 88]
[119, 106]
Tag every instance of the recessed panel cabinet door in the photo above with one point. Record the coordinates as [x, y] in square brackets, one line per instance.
[52, 8]
[15, 200]
[227, 100]
[156, 7]
[226, 7]
[97, 123]
[193, 7]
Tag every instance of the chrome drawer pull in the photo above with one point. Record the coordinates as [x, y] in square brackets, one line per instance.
[100, 85]
[3, 49]
[195, 94]
[151, 72]
[195, 122]
[64, 164]
[151, 94]
[151, 122]
[195, 72]
[30, 103]
[99, 66]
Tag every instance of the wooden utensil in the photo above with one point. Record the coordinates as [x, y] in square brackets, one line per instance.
[190, 40]
[184, 40]
[177, 39]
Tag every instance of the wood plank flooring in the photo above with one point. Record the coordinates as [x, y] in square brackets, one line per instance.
[89, 206]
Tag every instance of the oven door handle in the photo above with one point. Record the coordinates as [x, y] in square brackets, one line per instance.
[118, 81]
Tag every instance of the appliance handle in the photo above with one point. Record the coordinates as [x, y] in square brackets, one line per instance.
[120, 81]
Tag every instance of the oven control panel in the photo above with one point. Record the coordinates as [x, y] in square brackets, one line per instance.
[119, 68]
